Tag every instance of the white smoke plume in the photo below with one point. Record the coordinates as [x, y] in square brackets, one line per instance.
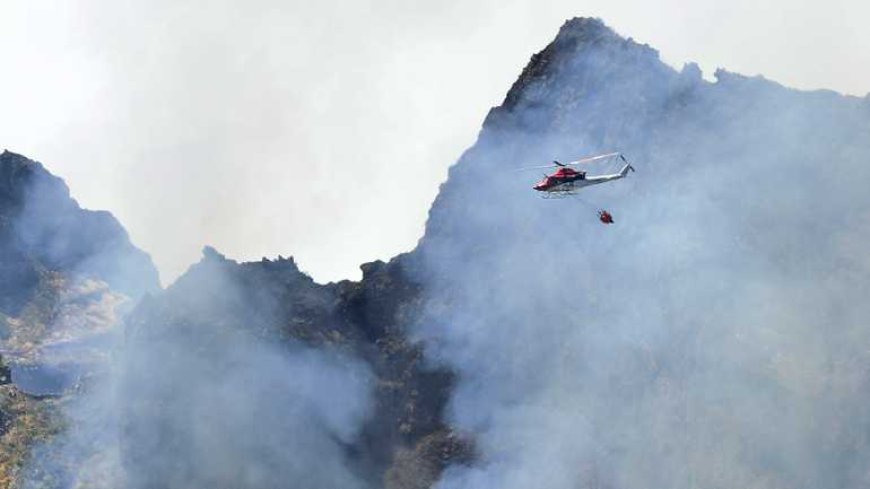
[202, 390]
[714, 336]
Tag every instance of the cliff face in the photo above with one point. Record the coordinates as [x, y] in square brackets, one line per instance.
[223, 326]
[593, 91]
[44, 231]
[688, 344]
[63, 273]
[220, 308]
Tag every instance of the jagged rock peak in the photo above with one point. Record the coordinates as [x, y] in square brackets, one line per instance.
[580, 34]
[692, 71]
[209, 253]
[17, 174]
[42, 229]
[586, 29]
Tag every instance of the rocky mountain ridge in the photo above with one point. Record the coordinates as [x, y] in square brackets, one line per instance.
[517, 329]
[43, 230]
[405, 442]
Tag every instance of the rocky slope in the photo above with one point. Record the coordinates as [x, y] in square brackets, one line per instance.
[64, 268]
[44, 231]
[715, 336]
[65, 271]
[220, 305]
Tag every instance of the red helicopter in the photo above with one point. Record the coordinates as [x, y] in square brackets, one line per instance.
[566, 181]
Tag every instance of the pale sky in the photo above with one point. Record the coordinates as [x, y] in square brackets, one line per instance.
[322, 129]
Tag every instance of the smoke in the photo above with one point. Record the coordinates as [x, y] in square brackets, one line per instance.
[178, 415]
[250, 415]
[198, 387]
[62, 236]
[714, 336]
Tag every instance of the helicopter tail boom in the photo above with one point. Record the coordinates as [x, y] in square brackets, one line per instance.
[606, 178]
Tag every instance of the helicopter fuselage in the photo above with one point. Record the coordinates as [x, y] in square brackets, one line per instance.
[566, 180]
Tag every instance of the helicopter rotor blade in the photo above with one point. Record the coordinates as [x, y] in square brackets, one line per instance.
[534, 167]
[581, 161]
[591, 159]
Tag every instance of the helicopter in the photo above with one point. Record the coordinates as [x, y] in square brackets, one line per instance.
[567, 181]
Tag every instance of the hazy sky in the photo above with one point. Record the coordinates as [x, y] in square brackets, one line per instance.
[323, 129]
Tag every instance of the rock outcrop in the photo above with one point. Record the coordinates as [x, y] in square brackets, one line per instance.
[44, 231]
[63, 273]
[219, 304]
[690, 343]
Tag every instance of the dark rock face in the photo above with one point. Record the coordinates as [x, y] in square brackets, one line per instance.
[54, 260]
[220, 306]
[43, 230]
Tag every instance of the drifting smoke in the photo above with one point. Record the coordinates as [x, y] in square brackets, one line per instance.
[196, 398]
[715, 336]
[237, 407]
[251, 415]
[62, 236]
[199, 388]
